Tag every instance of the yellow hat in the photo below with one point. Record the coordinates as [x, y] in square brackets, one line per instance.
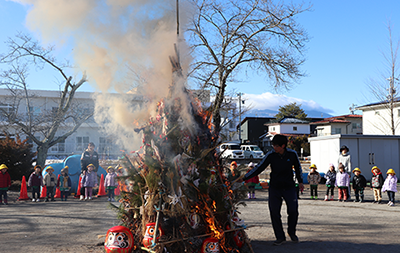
[49, 168]
[3, 166]
[110, 167]
[356, 169]
[66, 167]
[90, 165]
[313, 166]
[375, 167]
[390, 171]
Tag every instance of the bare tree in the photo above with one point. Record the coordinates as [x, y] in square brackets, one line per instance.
[258, 35]
[385, 89]
[24, 52]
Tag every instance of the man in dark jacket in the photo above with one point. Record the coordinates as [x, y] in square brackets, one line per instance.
[281, 186]
[89, 156]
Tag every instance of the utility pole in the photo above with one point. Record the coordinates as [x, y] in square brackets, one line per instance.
[240, 116]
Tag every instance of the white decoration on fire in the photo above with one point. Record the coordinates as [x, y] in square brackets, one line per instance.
[175, 199]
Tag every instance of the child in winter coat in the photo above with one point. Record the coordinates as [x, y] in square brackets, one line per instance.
[330, 177]
[313, 178]
[359, 183]
[50, 181]
[110, 183]
[376, 184]
[89, 180]
[64, 183]
[5, 183]
[251, 183]
[342, 182]
[36, 181]
[390, 185]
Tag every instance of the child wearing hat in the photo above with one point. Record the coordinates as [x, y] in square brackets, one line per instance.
[359, 184]
[376, 184]
[36, 181]
[110, 183]
[313, 178]
[251, 183]
[64, 183]
[330, 177]
[5, 183]
[50, 181]
[342, 182]
[390, 185]
[89, 180]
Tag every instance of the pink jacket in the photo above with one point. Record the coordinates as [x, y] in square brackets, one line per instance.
[111, 180]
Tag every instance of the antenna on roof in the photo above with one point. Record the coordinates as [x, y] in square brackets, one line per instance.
[352, 108]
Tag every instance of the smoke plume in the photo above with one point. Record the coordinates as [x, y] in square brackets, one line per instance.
[124, 48]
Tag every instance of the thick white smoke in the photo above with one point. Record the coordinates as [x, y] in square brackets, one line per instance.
[123, 46]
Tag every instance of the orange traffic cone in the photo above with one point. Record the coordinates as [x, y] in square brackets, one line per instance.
[78, 191]
[102, 191]
[117, 190]
[58, 192]
[23, 194]
[43, 194]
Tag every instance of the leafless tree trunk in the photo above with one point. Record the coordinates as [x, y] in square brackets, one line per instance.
[259, 35]
[385, 90]
[24, 53]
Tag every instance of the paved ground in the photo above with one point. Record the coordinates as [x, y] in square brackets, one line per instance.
[328, 226]
[332, 226]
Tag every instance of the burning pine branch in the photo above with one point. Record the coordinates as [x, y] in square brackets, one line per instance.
[177, 197]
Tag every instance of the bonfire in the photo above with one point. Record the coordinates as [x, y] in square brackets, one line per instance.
[176, 197]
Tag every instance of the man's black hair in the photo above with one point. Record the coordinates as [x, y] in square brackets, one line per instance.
[279, 140]
[91, 144]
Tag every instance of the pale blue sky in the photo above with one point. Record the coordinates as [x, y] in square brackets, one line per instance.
[347, 38]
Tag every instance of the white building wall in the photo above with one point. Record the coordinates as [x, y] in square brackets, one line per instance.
[377, 121]
[294, 129]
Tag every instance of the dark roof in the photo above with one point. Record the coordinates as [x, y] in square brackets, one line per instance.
[396, 99]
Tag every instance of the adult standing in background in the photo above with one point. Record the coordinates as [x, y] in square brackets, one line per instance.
[89, 156]
[282, 186]
[345, 159]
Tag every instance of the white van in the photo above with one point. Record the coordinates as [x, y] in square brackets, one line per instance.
[231, 150]
[252, 151]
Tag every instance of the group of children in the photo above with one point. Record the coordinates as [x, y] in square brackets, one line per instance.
[341, 180]
[63, 183]
[50, 180]
[89, 180]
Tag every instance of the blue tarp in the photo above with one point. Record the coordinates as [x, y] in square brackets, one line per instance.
[74, 168]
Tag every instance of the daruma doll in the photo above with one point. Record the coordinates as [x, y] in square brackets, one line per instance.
[119, 239]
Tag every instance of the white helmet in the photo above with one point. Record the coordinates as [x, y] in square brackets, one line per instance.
[251, 164]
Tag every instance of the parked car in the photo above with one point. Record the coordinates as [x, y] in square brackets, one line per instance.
[231, 150]
[252, 151]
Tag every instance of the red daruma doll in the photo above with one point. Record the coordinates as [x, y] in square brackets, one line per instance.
[119, 239]
[210, 245]
[149, 234]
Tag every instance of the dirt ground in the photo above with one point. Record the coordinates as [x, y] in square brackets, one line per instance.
[324, 226]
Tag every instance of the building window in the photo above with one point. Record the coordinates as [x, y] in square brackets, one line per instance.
[81, 143]
[377, 113]
[5, 109]
[295, 128]
[273, 128]
[105, 145]
[398, 112]
[59, 147]
[337, 131]
[35, 111]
